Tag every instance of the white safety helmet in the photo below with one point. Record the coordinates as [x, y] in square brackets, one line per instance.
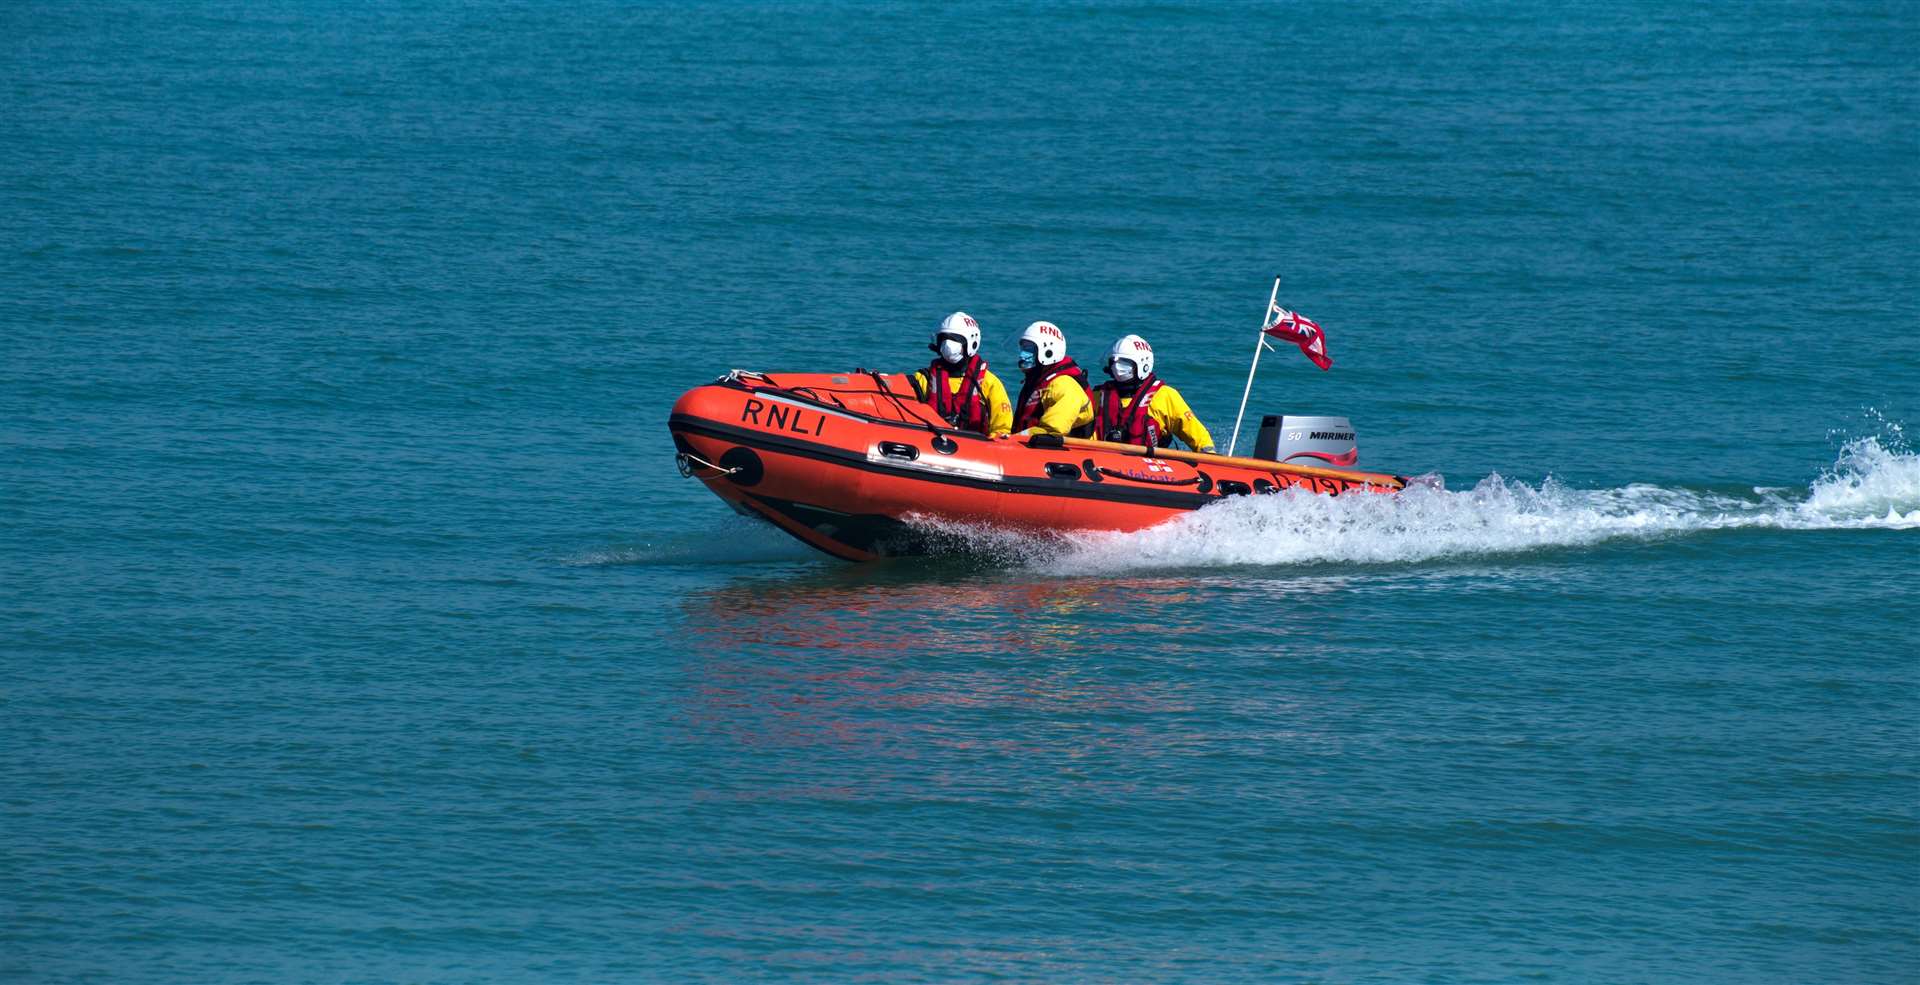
[958, 337]
[1049, 343]
[1130, 359]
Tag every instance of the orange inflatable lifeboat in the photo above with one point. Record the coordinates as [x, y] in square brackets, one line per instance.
[847, 461]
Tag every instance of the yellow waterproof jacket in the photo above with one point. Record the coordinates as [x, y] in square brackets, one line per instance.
[1169, 410]
[1064, 408]
[992, 394]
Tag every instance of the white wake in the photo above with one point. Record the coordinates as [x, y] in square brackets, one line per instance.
[1869, 486]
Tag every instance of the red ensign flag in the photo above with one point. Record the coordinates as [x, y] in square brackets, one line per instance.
[1299, 330]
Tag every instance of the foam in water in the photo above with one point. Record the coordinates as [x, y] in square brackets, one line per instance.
[1869, 480]
[1869, 486]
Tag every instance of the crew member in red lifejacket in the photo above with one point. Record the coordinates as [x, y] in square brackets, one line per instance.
[958, 384]
[1137, 409]
[1055, 399]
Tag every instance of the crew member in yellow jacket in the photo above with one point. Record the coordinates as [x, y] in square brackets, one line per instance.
[958, 384]
[1055, 398]
[1137, 409]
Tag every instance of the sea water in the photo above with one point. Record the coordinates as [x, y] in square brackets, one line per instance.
[355, 625]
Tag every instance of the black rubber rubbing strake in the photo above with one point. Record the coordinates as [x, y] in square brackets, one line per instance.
[766, 443]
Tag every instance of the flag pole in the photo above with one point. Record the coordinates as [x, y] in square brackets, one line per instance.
[1260, 342]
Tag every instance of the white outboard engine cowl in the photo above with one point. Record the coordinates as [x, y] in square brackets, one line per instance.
[1323, 441]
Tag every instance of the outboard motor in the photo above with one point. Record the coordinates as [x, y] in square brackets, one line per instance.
[1322, 441]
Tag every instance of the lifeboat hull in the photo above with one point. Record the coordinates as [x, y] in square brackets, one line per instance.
[854, 465]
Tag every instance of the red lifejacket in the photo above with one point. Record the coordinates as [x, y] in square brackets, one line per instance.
[1026, 410]
[966, 410]
[1128, 425]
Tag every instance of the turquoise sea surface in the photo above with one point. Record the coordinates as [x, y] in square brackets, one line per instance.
[355, 624]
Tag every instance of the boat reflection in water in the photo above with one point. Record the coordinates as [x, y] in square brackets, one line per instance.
[849, 683]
